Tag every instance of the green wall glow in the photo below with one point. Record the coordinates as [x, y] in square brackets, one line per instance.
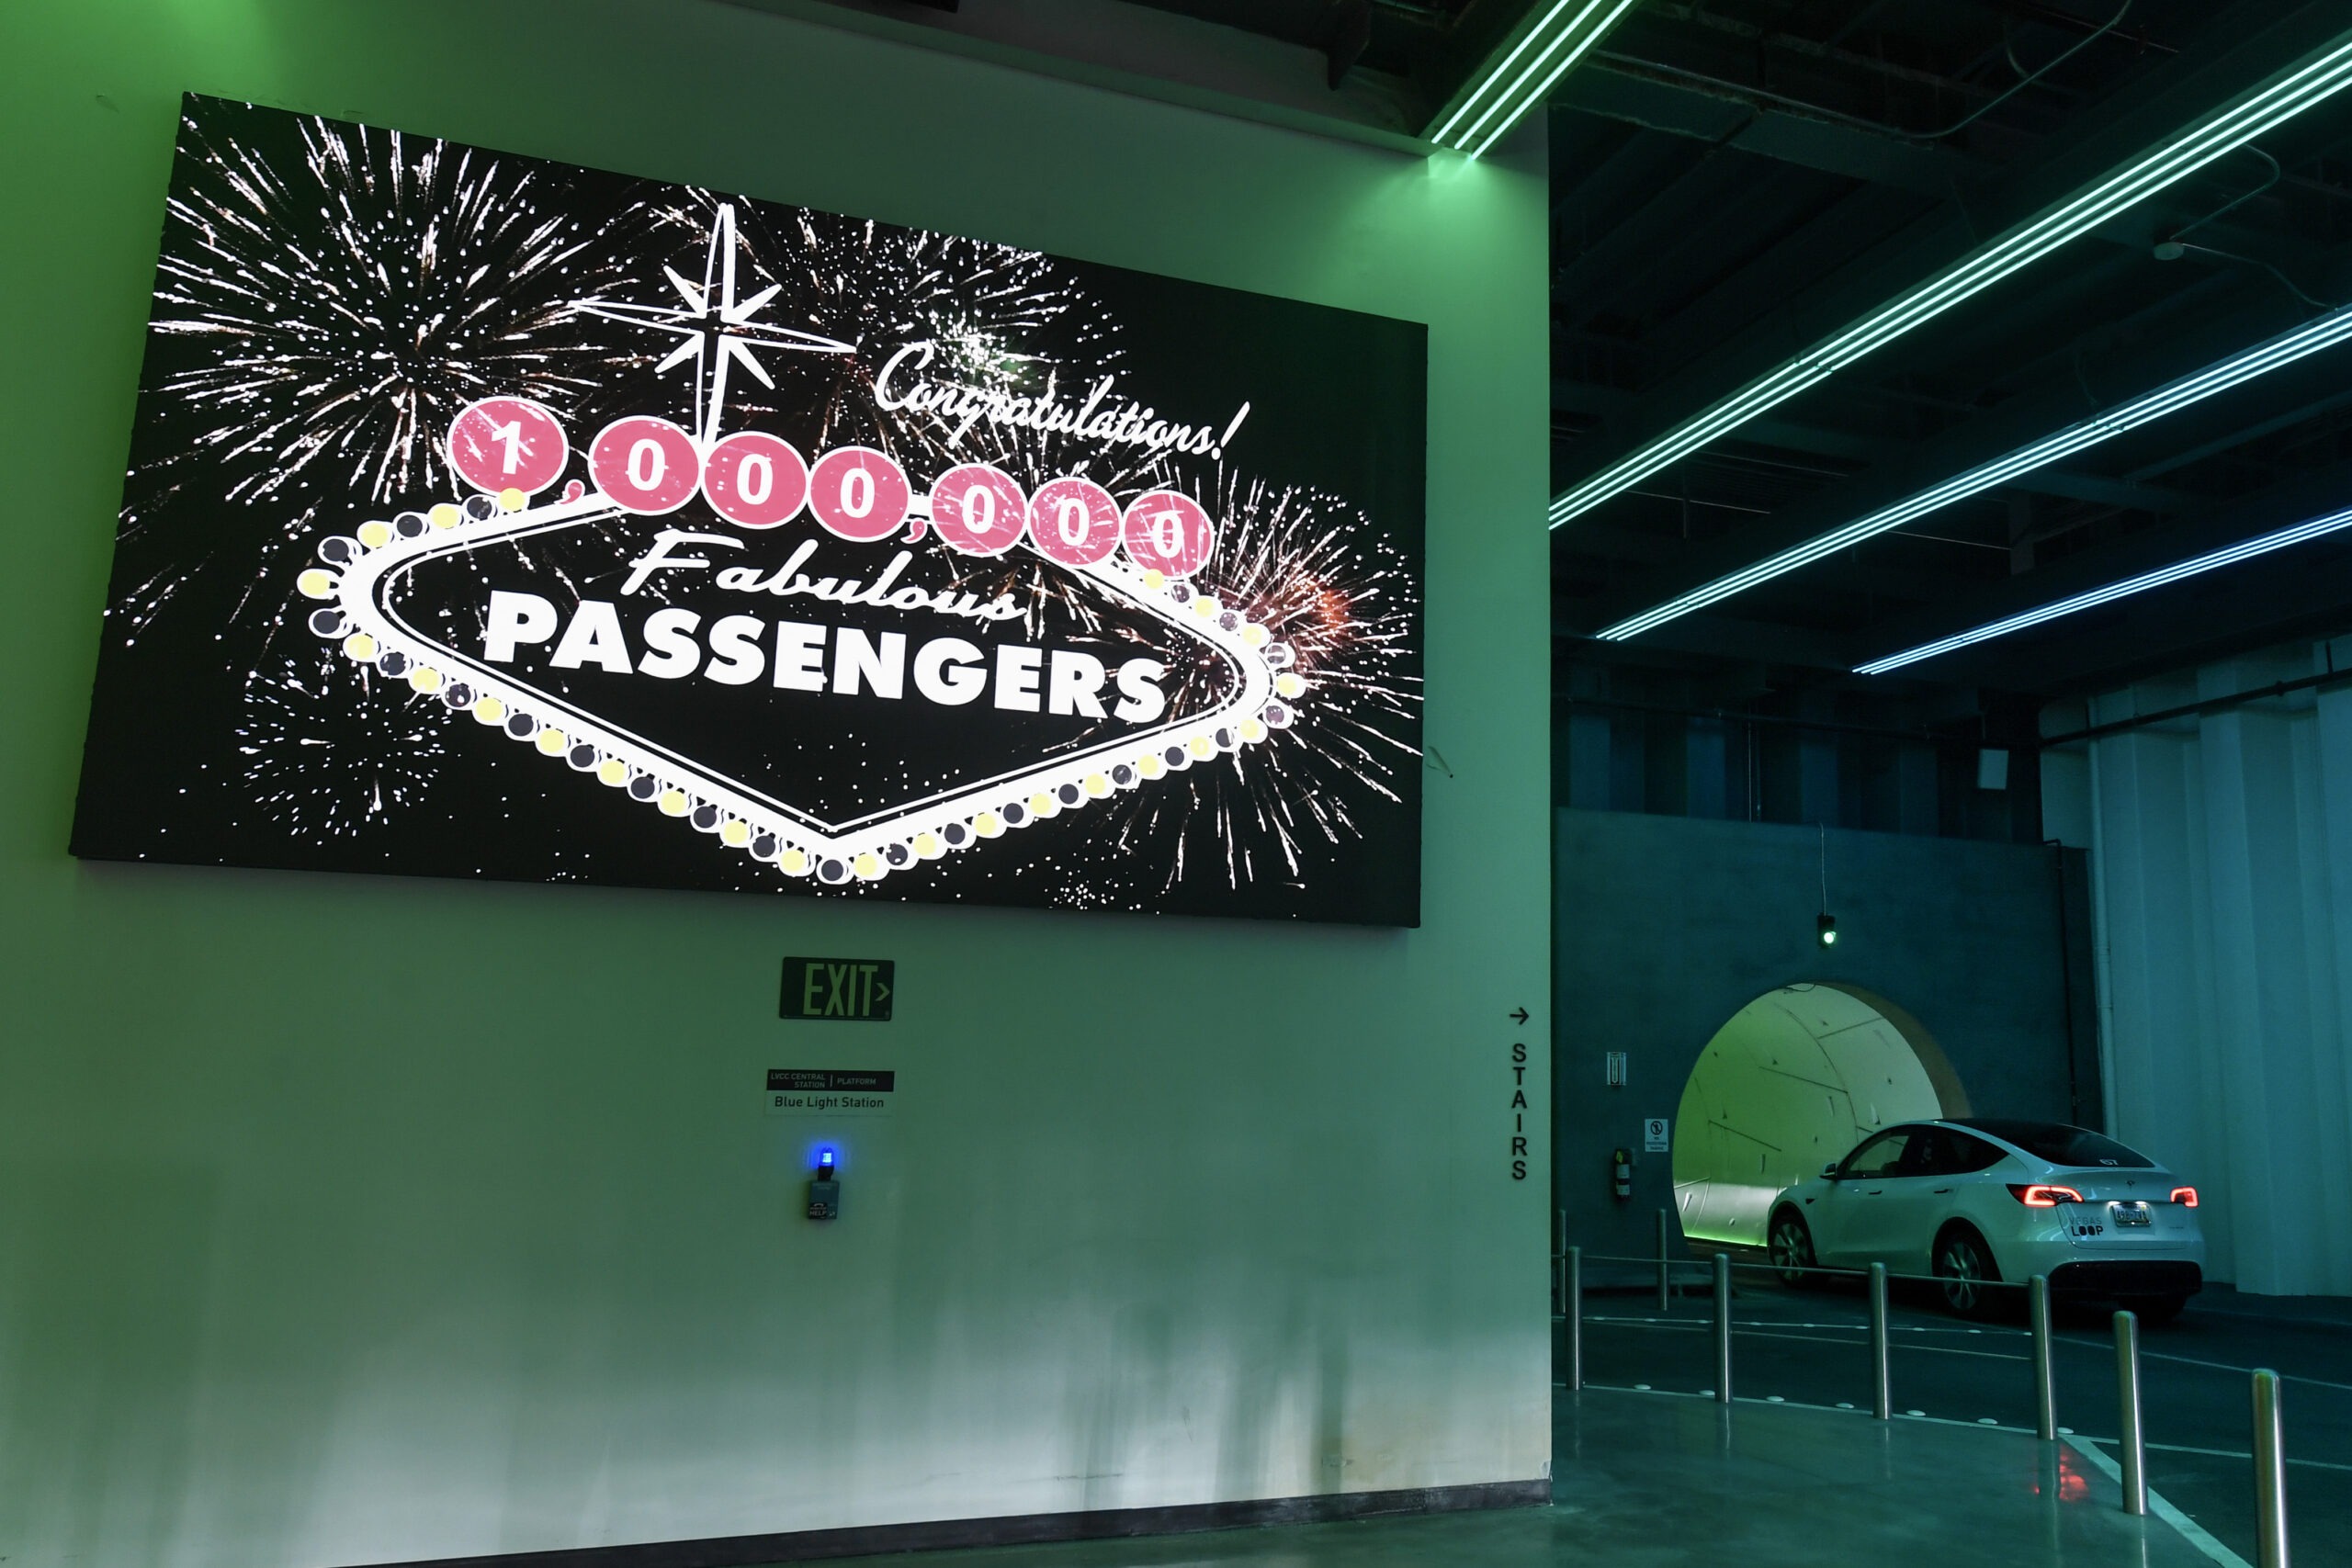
[349, 1220]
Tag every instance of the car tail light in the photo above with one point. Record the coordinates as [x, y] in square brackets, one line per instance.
[2185, 1196]
[2043, 1196]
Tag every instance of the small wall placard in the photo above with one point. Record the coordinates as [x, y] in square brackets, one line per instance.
[833, 1091]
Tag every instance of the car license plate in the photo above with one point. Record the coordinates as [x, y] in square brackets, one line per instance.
[2133, 1213]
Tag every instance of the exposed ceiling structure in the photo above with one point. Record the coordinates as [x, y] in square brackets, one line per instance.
[1735, 180]
[1395, 72]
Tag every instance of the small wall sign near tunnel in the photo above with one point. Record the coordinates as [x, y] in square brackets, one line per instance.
[844, 990]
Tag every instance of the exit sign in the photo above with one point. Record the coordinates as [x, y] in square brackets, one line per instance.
[850, 990]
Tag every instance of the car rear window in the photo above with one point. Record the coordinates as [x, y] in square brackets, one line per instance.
[2064, 1145]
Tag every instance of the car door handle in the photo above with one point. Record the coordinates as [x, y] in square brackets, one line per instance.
[1941, 1191]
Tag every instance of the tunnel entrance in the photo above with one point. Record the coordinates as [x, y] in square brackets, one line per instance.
[1792, 1082]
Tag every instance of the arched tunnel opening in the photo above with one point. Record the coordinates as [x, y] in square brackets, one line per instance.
[1794, 1081]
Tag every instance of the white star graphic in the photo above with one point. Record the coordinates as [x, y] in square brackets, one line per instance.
[715, 329]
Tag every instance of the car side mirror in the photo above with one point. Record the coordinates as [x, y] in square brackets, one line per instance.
[1829, 1172]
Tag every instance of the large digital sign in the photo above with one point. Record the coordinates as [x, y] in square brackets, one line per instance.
[488, 516]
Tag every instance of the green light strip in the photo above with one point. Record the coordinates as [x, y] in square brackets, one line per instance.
[1542, 55]
[2319, 76]
[2271, 354]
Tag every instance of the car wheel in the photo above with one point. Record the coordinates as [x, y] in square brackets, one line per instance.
[2154, 1309]
[1792, 1248]
[1965, 1269]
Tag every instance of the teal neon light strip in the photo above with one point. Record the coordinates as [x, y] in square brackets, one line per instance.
[2220, 377]
[2245, 550]
[1519, 80]
[2319, 76]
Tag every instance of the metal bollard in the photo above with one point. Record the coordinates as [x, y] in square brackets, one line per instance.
[1665, 1280]
[1559, 1261]
[2045, 1385]
[2269, 1474]
[1881, 1384]
[1723, 1329]
[1574, 1264]
[2132, 1449]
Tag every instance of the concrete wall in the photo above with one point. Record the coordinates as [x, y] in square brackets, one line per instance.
[349, 1220]
[2222, 854]
[1667, 926]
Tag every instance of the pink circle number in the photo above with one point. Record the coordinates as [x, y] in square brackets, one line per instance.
[1074, 522]
[502, 444]
[1168, 532]
[858, 493]
[645, 465]
[979, 509]
[754, 479]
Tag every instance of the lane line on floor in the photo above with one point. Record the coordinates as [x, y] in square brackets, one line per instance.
[2081, 1343]
[2196, 1535]
[1915, 1349]
[2221, 1453]
[1895, 1328]
[2192, 1361]
[1801, 1405]
[1843, 1343]
[1980, 1425]
[1989, 1354]
[1687, 1326]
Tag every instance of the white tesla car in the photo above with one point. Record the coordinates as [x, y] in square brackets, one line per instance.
[1977, 1202]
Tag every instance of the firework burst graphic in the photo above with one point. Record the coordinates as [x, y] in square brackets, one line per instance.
[353, 300]
[1347, 613]
[322, 312]
[334, 750]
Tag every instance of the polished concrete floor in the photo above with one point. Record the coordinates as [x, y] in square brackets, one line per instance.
[1657, 1481]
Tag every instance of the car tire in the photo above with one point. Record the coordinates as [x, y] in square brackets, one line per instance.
[1791, 1243]
[1965, 1272]
[2153, 1311]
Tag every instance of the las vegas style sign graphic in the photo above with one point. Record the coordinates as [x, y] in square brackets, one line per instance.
[842, 595]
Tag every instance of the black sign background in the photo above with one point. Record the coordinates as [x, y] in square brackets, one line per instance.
[822, 1080]
[329, 298]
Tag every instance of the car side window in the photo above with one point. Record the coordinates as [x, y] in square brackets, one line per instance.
[1880, 1156]
[1966, 1155]
[1927, 1156]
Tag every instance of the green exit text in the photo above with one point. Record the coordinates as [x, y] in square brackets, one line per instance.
[856, 990]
